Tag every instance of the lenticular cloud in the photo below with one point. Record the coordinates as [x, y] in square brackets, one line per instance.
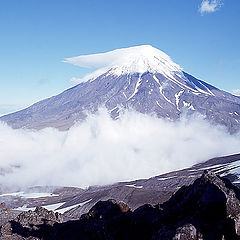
[102, 151]
[138, 59]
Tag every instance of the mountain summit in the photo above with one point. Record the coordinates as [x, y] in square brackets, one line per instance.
[142, 78]
[139, 59]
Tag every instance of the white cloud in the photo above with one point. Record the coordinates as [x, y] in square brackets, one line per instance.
[210, 6]
[101, 150]
[236, 92]
[138, 59]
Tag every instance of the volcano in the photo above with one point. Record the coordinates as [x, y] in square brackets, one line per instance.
[140, 78]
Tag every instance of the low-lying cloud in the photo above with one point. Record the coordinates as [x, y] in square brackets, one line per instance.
[102, 151]
[210, 6]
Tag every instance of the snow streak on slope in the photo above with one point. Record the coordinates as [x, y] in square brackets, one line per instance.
[139, 59]
[136, 88]
[161, 89]
[177, 97]
[101, 150]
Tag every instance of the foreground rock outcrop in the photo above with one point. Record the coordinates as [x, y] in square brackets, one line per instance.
[209, 209]
[30, 224]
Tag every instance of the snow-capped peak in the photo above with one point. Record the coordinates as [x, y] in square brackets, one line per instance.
[138, 59]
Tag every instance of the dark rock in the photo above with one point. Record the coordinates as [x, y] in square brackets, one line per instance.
[208, 205]
[188, 232]
[38, 217]
[3, 206]
[107, 209]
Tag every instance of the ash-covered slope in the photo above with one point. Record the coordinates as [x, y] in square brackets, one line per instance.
[141, 78]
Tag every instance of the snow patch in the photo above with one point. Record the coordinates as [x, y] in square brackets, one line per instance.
[53, 207]
[161, 89]
[113, 109]
[166, 178]
[206, 91]
[188, 105]
[151, 90]
[134, 186]
[177, 97]
[124, 94]
[63, 210]
[196, 93]
[24, 208]
[28, 195]
[136, 88]
[159, 104]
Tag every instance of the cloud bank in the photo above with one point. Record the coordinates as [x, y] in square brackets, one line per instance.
[210, 6]
[102, 151]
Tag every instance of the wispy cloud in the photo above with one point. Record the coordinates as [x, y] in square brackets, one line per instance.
[210, 6]
[236, 92]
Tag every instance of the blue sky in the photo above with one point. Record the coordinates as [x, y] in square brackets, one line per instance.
[36, 35]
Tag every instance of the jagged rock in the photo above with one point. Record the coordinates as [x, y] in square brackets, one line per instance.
[123, 207]
[209, 204]
[7, 215]
[30, 221]
[3, 206]
[6, 229]
[188, 232]
[237, 224]
[107, 209]
[38, 217]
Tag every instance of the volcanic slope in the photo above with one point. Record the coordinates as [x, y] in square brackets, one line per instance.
[142, 78]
